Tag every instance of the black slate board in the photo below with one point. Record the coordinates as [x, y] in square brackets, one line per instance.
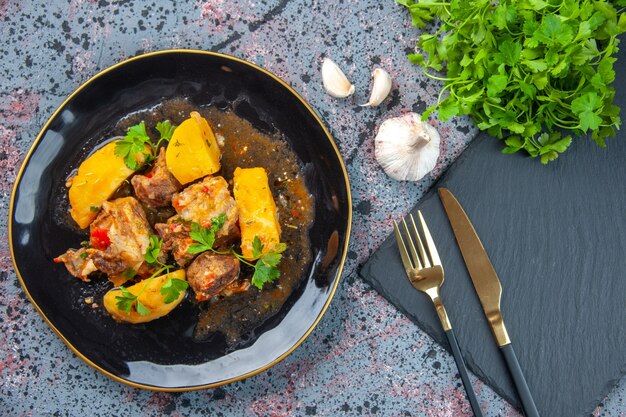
[556, 235]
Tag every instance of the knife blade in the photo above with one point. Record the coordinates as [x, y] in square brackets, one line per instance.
[489, 291]
[484, 277]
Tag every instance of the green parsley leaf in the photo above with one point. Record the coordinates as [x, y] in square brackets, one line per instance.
[536, 65]
[280, 247]
[134, 143]
[419, 15]
[172, 289]
[271, 258]
[416, 59]
[124, 304]
[218, 222]
[197, 248]
[266, 267]
[129, 273]
[509, 53]
[589, 120]
[264, 274]
[587, 102]
[205, 238]
[165, 129]
[585, 107]
[496, 84]
[448, 109]
[138, 132]
[125, 301]
[141, 309]
[154, 249]
[503, 15]
[257, 247]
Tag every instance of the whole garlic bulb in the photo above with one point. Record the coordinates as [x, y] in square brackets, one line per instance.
[407, 148]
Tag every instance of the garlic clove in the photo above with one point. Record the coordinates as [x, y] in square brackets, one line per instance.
[380, 88]
[407, 148]
[335, 81]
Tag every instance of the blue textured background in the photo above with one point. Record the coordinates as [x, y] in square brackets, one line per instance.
[364, 358]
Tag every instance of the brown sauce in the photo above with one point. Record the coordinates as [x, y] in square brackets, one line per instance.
[246, 147]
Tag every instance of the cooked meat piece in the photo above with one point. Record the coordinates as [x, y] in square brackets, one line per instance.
[210, 272]
[119, 237]
[175, 235]
[128, 233]
[199, 203]
[77, 263]
[203, 201]
[157, 187]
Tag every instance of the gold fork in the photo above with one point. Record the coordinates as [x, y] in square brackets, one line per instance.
[426, 275]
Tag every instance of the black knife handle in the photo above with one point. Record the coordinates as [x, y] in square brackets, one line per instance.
[528, 404]
[460, 364]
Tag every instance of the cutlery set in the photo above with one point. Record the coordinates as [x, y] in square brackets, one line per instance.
[425, 272]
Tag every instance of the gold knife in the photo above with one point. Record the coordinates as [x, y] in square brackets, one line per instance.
[489, 290]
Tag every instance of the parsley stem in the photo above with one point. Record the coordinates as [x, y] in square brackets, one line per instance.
[163, 268]
[434, 77]
[241, 259]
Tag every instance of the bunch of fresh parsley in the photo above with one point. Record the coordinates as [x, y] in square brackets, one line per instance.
[136, 140]
[266, 265]
[531, 70]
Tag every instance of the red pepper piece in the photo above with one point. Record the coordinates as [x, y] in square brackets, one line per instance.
[99, 238]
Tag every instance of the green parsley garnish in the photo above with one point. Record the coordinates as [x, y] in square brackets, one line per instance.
[205, 238]
[266, 266]
[94, 209]
[531, 69]
[154, 249]
[136, 140]
[172, 289]
[127, 301]
[134, 143]
[166, 130]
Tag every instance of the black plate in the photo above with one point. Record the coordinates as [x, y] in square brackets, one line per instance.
[161, 355]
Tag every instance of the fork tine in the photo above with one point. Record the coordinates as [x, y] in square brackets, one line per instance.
[420, 245]
[416, 259]
[402, 249]
[430, 244]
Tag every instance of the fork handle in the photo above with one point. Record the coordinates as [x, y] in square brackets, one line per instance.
[460, 364]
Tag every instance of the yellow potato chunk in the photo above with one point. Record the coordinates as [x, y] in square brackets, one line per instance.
[258, 215]
[193, 152]
[151, 298]
[98, 177]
